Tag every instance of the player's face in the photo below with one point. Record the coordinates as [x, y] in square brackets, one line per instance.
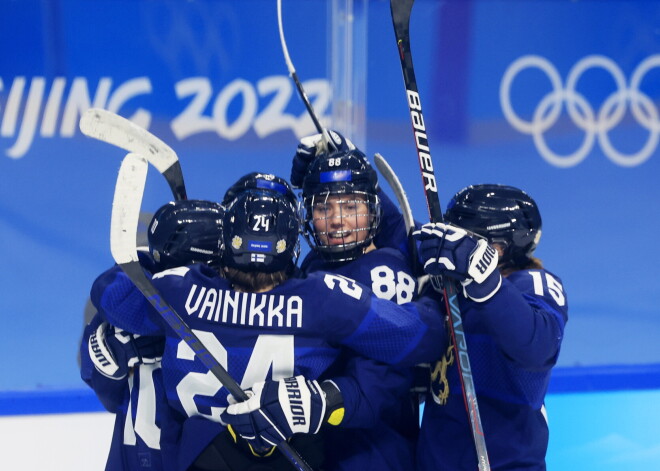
[341, 219]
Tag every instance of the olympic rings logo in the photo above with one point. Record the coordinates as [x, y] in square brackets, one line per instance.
[595, 124]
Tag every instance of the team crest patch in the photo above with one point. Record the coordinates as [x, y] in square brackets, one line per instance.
[236, 242]
[280, 246]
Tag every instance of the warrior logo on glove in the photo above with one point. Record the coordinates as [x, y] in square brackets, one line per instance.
[295, 401]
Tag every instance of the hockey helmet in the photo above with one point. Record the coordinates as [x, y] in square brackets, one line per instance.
[341, 207]
[261, 235]
[185, 232]
[260, 181]
[503, 214]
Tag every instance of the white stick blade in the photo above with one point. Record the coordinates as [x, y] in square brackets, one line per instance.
[388, 173]
[126, 208]
[113, 129]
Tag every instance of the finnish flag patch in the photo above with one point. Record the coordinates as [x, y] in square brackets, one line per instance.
[257, 257]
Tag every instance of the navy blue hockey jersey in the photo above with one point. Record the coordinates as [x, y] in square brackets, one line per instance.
[513, 341]
[295, 329]
[380, 428]
[145, 431]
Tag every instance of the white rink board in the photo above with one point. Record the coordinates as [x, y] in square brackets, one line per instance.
[586, 433]
[71, 442]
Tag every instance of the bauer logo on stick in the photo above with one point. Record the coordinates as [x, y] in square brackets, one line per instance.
[422, 142]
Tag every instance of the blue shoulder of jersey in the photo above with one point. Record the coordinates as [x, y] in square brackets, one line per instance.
[359, 269]
[119, 302]
[544, 288]
[527, 317]
[187, 276]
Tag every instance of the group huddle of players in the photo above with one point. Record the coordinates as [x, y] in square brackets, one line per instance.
[337, 352]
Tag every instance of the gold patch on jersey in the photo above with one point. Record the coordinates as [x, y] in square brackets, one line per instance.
[439, 381]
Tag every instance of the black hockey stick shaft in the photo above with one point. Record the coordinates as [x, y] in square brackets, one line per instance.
[136, 274]
[401, 10]
[174, 177]
[125, 215]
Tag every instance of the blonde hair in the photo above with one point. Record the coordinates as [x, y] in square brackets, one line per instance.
[255, 281]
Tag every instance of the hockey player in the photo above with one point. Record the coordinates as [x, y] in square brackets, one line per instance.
[263, 324]
[514, 312]
[390, 230]
[124, 369]
[342, 211]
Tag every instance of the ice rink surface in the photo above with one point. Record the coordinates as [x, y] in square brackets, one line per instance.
[604, 431]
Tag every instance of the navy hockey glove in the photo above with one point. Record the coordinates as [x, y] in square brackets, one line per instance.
[114, 351]
[446, 250]
[278, 409]
[309, 148]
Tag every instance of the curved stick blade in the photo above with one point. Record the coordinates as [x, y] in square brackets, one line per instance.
[393, 180]
[126, 208]
[111, 128]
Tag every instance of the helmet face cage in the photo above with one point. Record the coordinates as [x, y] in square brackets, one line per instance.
[262, 232]
[340, 225]
[505, 215]
[186, 232]
[342, 211]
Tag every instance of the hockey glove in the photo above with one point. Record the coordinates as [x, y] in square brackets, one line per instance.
[446, 250]
[114, 351]
[278, 409]
[309, 148]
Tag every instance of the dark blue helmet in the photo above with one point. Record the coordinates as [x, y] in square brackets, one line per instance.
[342, 210]
[260, 181]
[185, 232]
[261, 232]
[503, 214]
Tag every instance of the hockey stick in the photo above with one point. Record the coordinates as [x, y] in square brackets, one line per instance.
[294, 76]
[124, 223]
[390, 177]
[401, 10]
[114, 129]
